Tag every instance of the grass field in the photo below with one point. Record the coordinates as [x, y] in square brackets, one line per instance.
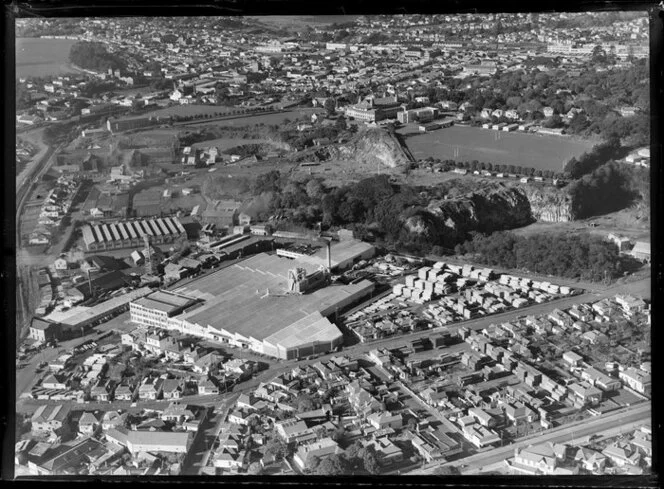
[43, 57]
[225, 143]
[191, 110]
[513, 148]
[267, 119]
[300, 21]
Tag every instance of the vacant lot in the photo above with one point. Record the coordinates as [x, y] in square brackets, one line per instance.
[43, 57]
[512, 148]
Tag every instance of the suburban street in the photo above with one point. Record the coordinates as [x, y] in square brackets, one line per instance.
[634, 414]
[25, 376]
[199, 453]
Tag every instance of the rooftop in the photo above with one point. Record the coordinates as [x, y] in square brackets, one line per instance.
[237, 301]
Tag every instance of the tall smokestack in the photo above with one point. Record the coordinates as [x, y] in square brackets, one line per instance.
[329, 256]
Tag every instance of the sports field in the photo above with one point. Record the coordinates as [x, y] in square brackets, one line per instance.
[464, 143]
[43, 57]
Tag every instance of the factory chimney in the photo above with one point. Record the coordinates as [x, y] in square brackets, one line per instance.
[329, 256]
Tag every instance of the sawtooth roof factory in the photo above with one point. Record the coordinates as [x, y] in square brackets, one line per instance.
[127, 234]
[271, 305]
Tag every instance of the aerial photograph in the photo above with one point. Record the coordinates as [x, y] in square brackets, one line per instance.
[333, 245]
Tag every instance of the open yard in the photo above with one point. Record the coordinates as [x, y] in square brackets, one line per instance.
[512, 148]
[43, 57]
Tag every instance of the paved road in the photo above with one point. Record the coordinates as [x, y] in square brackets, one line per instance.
[564, 434]
[26, 375]
[199, 453]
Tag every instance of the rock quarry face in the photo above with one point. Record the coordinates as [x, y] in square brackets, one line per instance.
[373, 147]
[550, 205]
[492, 208]
[485, 210]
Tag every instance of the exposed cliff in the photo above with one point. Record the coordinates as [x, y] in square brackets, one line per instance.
[374, 147]
[550, 204]
[491, 208]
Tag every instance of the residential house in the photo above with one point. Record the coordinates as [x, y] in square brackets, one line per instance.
[292, 430]
[584, 394]
[124, 393]
[88, 424]
[102, 391]
[150, 389]
[172, 388]
[591, 460]
[207, 388]
[320, 449]
[387, 453]
[482, 417]
[53, 382]
[637, 380]
[386, 419]
[600, 379]
[544, 459]
[230, 459]
[572, 358]
[51, 418]
[622, 453]
[479, 435]
[112, 419]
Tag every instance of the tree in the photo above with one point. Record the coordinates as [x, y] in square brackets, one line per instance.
[330, 106]
[277, 448]
[353, 450]
[332, 465]
[370, 462]
[304, 402]
[254, 468]
[598, 55]
[315, 189]
[447, 470]
[341, 123]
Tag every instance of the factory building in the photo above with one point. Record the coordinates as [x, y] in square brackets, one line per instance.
[128, 234]
[268, 304]
[339, 256]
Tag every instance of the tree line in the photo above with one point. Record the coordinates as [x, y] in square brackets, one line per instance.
[581, 256]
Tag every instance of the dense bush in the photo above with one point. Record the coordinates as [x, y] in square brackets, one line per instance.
[609, 188]
[94, 56]
[582, 256]
[596, 157]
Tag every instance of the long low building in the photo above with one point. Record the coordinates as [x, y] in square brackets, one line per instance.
[128, 234]
[159, 441]
[257, 304]
[341, 256]
[70, 322]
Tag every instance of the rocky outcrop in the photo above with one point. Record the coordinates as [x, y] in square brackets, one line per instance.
[489, 209]
[373, 146]
[550, 204]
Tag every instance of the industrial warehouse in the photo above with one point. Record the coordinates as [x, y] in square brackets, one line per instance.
[128, 234]
[268, 304]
